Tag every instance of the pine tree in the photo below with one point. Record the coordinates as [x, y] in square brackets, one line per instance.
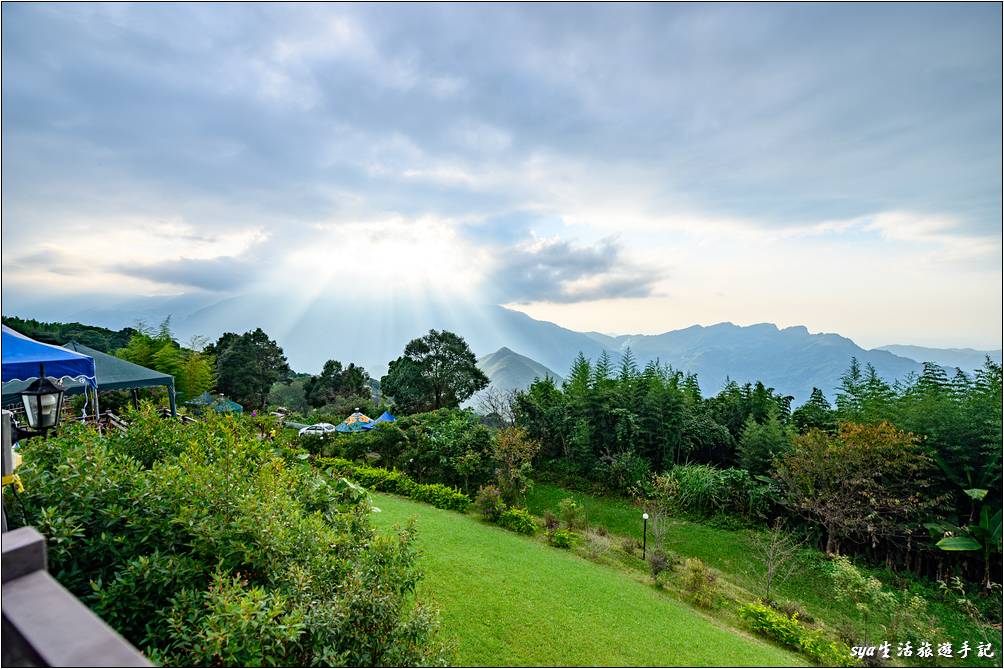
[849, 395]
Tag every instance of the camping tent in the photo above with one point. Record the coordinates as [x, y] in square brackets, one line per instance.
[219, 404]
[385, 417]
[354, 423]
[111, 373]
[22, 356]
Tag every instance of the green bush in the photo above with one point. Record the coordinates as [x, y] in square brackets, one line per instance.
[621, 472]
[489, 503]
[393, 481]
[448, 446]
[222, 550]
[788, 631]
[658, 562]
[517, 520]
[440, 496]
[700, 583]
[560, 539]
[705, 491]
[572, 513]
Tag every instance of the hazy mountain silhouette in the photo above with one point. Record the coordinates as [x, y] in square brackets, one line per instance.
[372, 330]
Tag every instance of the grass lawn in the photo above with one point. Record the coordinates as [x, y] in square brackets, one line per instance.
[730, 552]
[509, 600]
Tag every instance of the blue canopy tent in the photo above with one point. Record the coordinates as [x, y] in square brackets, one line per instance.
[21, 358]
[354, 423]
[219, 404]
[385, 417]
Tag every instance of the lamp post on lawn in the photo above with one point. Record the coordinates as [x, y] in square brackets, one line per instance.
[644, 535]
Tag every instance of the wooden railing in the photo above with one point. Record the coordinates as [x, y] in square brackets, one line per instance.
[44, 625]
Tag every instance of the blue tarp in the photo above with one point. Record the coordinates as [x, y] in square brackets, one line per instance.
[385, 417]
[21, 357]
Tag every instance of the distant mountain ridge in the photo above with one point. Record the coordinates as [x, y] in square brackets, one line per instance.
[371, 332]
[960, 358]
[508, 370]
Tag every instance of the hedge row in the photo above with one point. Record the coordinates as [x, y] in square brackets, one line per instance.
[789, 632]
[397, 482]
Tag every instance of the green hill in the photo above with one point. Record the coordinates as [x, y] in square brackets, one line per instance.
[508, 600]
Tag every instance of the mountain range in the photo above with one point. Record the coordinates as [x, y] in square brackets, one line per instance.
[515, 347]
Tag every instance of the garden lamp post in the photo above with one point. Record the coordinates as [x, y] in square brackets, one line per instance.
[644, 534]
[43, 403]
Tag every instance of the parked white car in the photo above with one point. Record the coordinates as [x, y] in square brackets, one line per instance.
[317, 430]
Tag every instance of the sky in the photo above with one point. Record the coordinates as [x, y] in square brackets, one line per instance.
[618, 168]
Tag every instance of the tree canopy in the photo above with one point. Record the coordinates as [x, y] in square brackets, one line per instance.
[437, 371]
[247, 365]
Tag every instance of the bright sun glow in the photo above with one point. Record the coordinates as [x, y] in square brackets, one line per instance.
[414, 257]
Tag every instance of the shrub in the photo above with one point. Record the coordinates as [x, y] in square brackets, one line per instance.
[597, 545]
[906, 613]
[441, 496]
[572, 513]
[397, 482]
[517, 520]
[489, 503]
[788, 631]
[551, 522]
[513, 453]
[630, 545]
[223, 551]
[658, 562]
[621, 472]
[792, 609]
[700, 583]
[448, 446]
[561, 539]
[705, 491]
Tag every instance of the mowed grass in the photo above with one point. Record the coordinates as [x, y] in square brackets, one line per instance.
[508, 600]
[731, 552]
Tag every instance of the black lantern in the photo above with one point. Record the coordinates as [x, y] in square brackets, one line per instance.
[43, 402]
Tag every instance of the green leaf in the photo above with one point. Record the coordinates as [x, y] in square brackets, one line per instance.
[940, 527]
[995, 530]
[976, 493]
[959, 544]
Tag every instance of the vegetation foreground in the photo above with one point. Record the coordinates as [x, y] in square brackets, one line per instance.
[507, 600]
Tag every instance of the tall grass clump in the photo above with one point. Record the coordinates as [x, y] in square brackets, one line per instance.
[703, 491]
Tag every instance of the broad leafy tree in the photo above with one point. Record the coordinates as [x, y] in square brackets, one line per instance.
[336, 382]
[247, 365]
[868, 483]
[436, 371]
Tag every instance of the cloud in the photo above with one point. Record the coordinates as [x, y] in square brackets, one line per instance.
[213, 274]
[685, 129]
[556, 270]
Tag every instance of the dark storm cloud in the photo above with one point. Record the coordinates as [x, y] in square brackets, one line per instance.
[557, 271]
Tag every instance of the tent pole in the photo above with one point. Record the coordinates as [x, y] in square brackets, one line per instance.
[97, 407]
[172, 399]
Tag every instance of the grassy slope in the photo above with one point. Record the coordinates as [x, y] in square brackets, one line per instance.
[729, 551]
[509, 600]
